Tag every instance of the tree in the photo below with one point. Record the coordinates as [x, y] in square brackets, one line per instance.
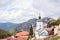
[31, 31]
[51, 23]
[58, 21]
[4, 34]
[54, 22]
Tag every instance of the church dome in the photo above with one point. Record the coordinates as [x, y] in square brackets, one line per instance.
[39, 19]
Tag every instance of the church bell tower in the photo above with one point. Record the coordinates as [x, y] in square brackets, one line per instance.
[39, 23]
[40, 31]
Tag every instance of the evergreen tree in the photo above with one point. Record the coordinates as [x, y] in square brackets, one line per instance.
[31, 31]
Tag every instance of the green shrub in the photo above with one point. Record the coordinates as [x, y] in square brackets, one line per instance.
[4, 34]
[56, 38]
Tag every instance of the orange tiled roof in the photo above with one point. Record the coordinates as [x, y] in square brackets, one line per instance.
[23, 33]
[22, 38]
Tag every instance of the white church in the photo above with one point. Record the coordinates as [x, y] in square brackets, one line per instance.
[40, 31]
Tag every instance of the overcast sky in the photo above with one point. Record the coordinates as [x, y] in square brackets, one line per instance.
[19, 11]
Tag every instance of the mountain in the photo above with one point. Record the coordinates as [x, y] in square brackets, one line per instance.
[46, 19]
[13, 27]
[26, 25]
[6, 26]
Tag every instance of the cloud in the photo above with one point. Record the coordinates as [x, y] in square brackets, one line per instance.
[22, 10]
[5, 3]
[19, 11]
[49, 7]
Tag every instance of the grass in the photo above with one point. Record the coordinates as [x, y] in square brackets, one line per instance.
[56, 38]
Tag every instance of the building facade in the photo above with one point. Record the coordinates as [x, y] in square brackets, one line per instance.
[40, 31]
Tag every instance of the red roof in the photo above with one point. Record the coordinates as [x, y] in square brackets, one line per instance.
[22, 38]
[9, 38]
[23, 33]
[48, 29]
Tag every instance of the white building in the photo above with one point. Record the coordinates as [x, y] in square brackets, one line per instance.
[40, 31]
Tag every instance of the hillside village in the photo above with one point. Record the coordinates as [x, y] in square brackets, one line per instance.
[44, 30]
[29, 19]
